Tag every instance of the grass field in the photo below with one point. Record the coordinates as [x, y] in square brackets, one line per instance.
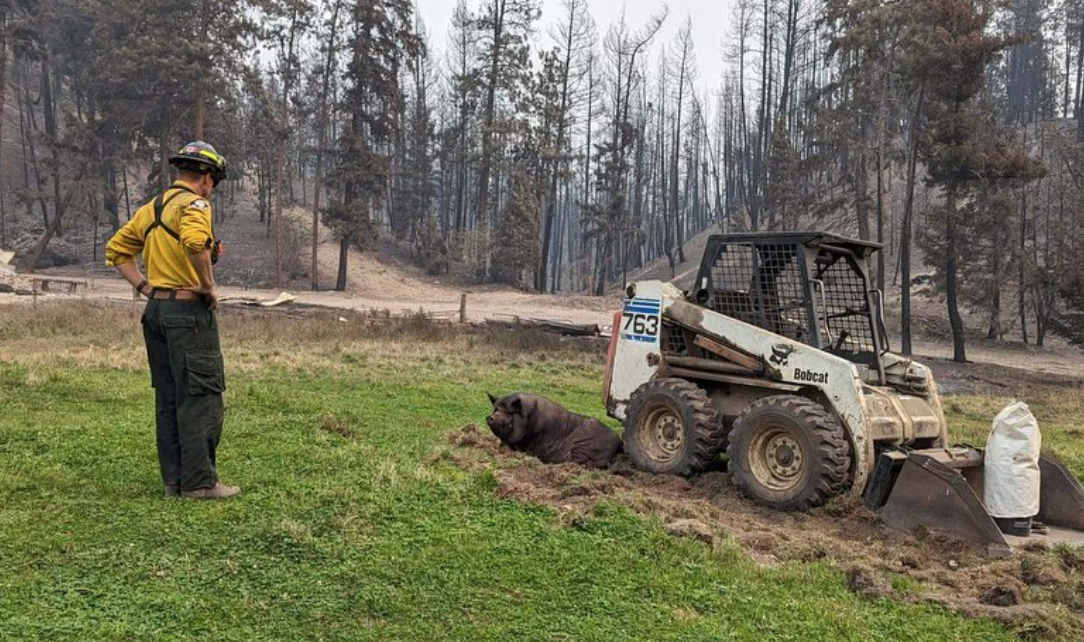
[350, 527]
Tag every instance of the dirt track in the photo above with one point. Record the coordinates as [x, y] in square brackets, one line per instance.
[406, 290]
[483, 303]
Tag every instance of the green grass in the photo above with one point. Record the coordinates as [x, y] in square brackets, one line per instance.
[1059, 413]
[350, 528]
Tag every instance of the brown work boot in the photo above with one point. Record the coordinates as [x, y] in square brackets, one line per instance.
[172, 491]
[218, 491]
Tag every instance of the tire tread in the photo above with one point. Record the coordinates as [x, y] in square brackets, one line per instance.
[707, 434]
[828, 438]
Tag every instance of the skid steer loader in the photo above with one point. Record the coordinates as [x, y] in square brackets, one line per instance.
[778, 357]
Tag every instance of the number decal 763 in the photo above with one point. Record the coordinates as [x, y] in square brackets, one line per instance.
[639, 323]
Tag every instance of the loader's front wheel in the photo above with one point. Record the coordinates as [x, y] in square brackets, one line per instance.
[789, 453]
[671, 428]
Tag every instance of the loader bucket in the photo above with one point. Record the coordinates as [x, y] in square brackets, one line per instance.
[941, 490]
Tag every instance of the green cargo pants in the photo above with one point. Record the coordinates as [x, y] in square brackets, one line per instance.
[188, 379]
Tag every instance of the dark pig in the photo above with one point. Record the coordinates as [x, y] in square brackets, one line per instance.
[542, 428]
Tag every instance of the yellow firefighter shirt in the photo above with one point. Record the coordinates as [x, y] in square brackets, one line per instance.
[166, 257]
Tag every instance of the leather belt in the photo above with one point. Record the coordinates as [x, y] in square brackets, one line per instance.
[176, 295]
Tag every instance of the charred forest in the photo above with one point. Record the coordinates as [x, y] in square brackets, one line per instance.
[552, 151]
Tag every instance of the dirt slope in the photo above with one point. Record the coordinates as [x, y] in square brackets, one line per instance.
[684, 273]
[382, 278]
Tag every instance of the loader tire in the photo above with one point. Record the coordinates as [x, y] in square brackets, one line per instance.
[789, 453]
[671, 428]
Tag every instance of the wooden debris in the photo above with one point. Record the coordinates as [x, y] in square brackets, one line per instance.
[548, 325]
[45, 283]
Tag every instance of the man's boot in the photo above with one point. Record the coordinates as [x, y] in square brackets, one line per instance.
[218, 491]
[172, 490]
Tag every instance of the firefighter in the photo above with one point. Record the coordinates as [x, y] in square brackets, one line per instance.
[175, 235]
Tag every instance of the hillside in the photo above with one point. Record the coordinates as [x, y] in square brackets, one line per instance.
[683, 274]
[381, 278]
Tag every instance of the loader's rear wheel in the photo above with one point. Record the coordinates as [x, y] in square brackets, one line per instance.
[671, 428]
[789, 453]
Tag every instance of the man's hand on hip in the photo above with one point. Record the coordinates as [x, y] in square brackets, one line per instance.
[201, 261]
[209, 295]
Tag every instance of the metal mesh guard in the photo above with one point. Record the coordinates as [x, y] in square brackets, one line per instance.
[846, 309]
[762, 285]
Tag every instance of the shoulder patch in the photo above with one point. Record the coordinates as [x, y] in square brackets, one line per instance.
[200, 204]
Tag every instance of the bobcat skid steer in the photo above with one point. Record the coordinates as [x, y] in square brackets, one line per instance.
[778, 356]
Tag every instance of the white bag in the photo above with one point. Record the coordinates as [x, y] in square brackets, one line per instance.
[1012, 464]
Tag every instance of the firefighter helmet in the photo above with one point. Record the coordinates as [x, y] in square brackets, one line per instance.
[200, 157]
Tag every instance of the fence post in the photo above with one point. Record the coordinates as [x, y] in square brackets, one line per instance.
[463, 307]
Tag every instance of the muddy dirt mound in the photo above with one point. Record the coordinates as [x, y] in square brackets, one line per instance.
[471, 436]
[1036, 593]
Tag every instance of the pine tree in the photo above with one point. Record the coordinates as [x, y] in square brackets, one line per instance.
[380, 32]
[327, 75]
[783, 194]
[952, 53]
[515, 258]
[503, 28]
[561, 77]
[606, 221]
[414, 217]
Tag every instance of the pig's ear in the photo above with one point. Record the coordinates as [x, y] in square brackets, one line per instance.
[492, 399]
[517, 405]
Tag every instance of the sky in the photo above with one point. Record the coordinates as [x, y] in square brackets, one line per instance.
[710, 20]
